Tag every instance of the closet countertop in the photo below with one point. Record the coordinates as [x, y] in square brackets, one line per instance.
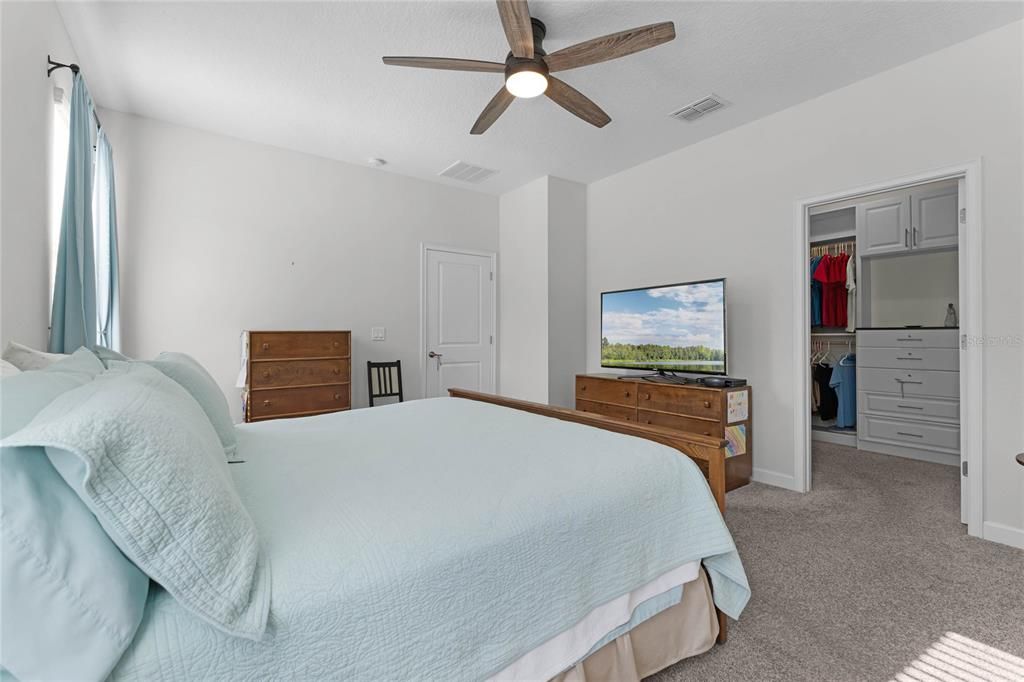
[875, 329]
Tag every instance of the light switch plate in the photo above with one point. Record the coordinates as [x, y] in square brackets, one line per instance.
[377, 333]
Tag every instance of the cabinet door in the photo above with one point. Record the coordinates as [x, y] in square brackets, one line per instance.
[883, 225]
[933, 218]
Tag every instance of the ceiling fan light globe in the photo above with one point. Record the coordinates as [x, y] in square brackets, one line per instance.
[526, 84]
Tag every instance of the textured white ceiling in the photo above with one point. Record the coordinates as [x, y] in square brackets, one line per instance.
[308, 76]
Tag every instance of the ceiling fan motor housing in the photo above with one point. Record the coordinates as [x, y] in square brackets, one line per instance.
[515, 64]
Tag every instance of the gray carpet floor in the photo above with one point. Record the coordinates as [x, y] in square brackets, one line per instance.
[865, 575]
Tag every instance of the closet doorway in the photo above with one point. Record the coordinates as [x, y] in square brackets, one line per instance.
[888, 279]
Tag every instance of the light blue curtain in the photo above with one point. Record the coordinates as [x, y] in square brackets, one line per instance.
[73, 318]
[105, 218]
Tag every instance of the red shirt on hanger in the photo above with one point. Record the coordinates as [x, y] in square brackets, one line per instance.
[831, 272]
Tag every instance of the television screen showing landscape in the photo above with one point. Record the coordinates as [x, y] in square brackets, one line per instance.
[674, 328]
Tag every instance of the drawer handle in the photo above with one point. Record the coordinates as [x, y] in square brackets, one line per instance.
[583, 387]
[266, 403]
[707, 433]
[266, 374]
[910, 407]
[266, 346]
[647, 396]
[648, 421]
[337, 371]
[909, 358]
[914, 435]
[335, 344]
[910, 338]
[707, 403]
[626, 395]
[337, 396]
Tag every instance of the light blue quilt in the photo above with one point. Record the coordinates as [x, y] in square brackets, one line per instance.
[441, 539]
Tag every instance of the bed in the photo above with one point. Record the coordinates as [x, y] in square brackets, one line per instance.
[456, 538]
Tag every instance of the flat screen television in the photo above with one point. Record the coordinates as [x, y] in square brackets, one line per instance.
[671, 328]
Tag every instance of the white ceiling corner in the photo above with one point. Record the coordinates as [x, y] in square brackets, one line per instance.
[308, 76]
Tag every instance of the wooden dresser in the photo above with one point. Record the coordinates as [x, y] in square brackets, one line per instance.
[296, 374]
[719, 412]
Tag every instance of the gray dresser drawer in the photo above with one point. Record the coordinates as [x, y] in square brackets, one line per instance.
[909, 408]
[944, 359]
[915, 434]
[908, 338]
[915, 384]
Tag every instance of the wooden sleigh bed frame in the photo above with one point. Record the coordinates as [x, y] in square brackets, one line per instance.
[708, 453]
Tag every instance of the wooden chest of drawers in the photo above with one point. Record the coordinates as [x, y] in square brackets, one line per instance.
[296, 374]
[717, 412]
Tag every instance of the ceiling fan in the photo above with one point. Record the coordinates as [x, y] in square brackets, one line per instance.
[528, 67]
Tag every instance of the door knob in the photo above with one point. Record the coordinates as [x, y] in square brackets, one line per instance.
[436, 356]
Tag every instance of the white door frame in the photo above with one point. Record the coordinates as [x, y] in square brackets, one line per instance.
[429, 246]
[972, 440]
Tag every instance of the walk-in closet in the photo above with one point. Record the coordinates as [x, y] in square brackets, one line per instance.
[883, 276]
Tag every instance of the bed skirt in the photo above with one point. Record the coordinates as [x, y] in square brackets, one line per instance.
[687, 629]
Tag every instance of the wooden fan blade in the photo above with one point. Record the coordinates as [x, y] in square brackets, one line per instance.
[611, 46]
[495, 108]
[576, 103]
[515, 19]
[445, 64]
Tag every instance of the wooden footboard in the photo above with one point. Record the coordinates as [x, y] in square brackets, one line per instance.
[709, 453]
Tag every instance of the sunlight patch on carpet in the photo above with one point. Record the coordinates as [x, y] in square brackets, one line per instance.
[955, 658]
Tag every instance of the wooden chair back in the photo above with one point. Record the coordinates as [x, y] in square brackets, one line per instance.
[384, 380]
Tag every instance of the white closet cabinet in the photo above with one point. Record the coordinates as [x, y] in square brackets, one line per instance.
[913, 220]
[883, 225]
[934, 218]
[908, 393]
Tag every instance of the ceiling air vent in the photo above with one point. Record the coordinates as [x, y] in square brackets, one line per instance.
[705, 105]
[466, 172]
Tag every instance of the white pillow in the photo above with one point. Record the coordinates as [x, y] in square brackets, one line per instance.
[7, 369]
[25, 358]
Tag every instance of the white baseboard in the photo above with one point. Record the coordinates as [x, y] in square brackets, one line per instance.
[1003, 534]
[776, 479]
[848, 439]
[909, 453]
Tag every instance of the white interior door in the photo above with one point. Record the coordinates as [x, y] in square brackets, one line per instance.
[458, 322]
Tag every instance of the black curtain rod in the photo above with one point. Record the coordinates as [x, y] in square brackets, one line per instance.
[53, 66]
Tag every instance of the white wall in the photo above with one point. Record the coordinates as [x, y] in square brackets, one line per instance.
[914, 289]
[28, 32]
[567, 290]
[523, 287]
[542, 236]
[726, 206]
[220, 235]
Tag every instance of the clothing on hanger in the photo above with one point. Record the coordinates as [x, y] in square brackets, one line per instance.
[829, 402]
[815, 294]
[831, 272]
[844, 382]
[851, 295]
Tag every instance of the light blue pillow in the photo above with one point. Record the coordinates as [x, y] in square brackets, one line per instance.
[143, 456]
[106, 355]
[196, 380]
[72, 602]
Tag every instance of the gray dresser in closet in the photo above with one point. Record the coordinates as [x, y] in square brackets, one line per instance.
[908, 393]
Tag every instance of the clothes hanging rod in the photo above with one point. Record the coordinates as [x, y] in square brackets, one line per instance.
[852, 239]
[53, 66]
[833, 333]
